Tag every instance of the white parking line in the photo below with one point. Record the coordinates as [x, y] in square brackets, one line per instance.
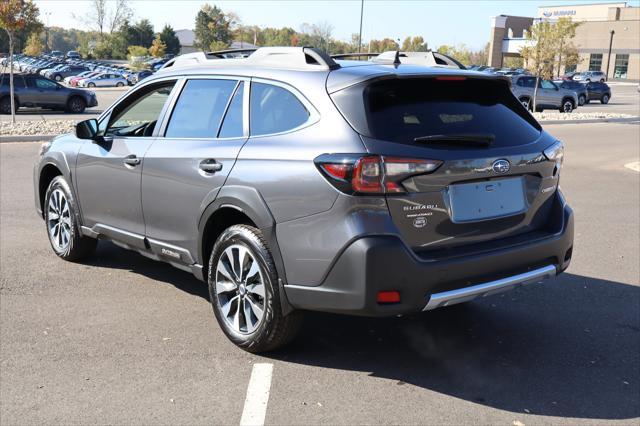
[255, 404]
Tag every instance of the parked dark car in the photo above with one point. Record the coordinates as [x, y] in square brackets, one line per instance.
[579, 88]
[37, 91]
[597, 91]
[139, 76]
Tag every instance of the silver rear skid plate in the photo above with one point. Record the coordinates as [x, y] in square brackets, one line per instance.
[452, 297]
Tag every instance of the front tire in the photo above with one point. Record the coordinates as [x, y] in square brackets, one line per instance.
[119, 84]
[61, 219]
[5, 105]
[244, 292]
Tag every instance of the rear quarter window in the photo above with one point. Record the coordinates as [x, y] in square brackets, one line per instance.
[274, 109]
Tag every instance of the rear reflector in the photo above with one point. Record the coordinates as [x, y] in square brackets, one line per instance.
[388, 297]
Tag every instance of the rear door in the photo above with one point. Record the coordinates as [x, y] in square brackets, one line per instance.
[493, 180]
[190, 161]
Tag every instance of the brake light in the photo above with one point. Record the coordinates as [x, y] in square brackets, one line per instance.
[451, 78]
[372, 174]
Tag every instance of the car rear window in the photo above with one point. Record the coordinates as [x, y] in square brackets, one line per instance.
[401, 110]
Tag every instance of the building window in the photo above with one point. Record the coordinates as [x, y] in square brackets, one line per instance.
[622, 63]
[595, 62]
[570, 68]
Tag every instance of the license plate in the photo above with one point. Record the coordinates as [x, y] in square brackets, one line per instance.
[478, 201]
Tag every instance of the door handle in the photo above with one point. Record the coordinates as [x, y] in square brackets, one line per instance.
[210, 166]
[131, 160]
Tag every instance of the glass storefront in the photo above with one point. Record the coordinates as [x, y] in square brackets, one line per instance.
[595, 62]
[622, 63]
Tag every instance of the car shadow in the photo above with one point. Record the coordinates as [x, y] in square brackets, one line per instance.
[569, 347]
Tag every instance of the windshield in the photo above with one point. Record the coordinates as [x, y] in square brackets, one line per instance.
[410, 109]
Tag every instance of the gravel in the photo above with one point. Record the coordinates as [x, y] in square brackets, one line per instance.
[57, 127]
[36, 127]
[557, 115]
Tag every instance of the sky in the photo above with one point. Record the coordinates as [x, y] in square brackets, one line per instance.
[438, 22]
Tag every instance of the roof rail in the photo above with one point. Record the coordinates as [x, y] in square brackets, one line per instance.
[354, 55]
[221, 53]
[429, 58]
[299, 58]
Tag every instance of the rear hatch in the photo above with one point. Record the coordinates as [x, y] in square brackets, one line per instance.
[493, 182]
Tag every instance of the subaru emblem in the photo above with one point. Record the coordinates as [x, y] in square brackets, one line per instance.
[501, 166]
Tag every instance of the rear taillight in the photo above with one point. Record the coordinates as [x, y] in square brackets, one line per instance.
[372, 174]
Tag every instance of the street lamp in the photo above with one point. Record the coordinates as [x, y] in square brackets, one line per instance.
[360, 33]
[612, 32]
[46, 32]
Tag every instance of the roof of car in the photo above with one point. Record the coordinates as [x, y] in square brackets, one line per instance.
[298, 64]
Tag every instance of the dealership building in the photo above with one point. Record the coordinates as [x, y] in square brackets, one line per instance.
[608, 38]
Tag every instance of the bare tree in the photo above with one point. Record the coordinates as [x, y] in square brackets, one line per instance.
[121, 12]
[101, 17]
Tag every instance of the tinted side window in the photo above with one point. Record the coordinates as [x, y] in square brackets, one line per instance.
[545, 84]
[41, 83]
[137, 114]
[199, 109]
[232, 125]
[274, 110]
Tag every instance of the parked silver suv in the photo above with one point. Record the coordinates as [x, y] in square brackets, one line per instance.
[549, 96]
[289, 182]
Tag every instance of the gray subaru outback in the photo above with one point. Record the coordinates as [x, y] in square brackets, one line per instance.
[288, 181]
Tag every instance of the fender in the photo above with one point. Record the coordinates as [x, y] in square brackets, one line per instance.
[58, 159]
[249, 201]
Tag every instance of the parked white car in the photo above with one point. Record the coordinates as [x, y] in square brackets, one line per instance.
[104, 80]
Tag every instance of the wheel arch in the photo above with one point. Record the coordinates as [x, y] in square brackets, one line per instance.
[234, 205]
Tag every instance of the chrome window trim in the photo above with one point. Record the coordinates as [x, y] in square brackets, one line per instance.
[314, 115]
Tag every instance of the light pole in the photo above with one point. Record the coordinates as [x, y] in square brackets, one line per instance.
[612, 32]
[46, 32]
[360, 33]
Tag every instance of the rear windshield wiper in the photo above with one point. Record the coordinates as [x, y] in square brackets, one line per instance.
[483, 139]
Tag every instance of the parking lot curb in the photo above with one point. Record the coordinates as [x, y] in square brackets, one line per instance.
[592, 120]
[26, 138]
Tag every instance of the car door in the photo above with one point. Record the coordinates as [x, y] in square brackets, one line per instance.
[109, 173]
[44, 91]
[190, 161]
[548, 94]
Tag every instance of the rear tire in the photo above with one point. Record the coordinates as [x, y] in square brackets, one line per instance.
[76, 105]
[91, 85]
[604, 99]
[62, 222]
[582, 99]
[567, 106]
[244, 292]
[119, 84]
[57, 77]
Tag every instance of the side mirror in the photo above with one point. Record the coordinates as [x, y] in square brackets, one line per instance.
[87, 129]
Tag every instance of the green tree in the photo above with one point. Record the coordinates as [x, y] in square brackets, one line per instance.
[212, 26]
[459, 52]
[34, 45]
[383, 45]
[513, 62]
[15, 16]
[171, 41]
[564, 32]
[414, 44]
[144, 32]
[158, 47]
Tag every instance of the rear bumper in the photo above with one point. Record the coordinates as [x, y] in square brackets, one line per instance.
[384, 263]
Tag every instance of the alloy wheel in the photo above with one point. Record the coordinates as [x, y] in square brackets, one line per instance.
[240, 289]
[567, 106]
[59, 220]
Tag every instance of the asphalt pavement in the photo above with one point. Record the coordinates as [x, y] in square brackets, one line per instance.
[122, 339]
